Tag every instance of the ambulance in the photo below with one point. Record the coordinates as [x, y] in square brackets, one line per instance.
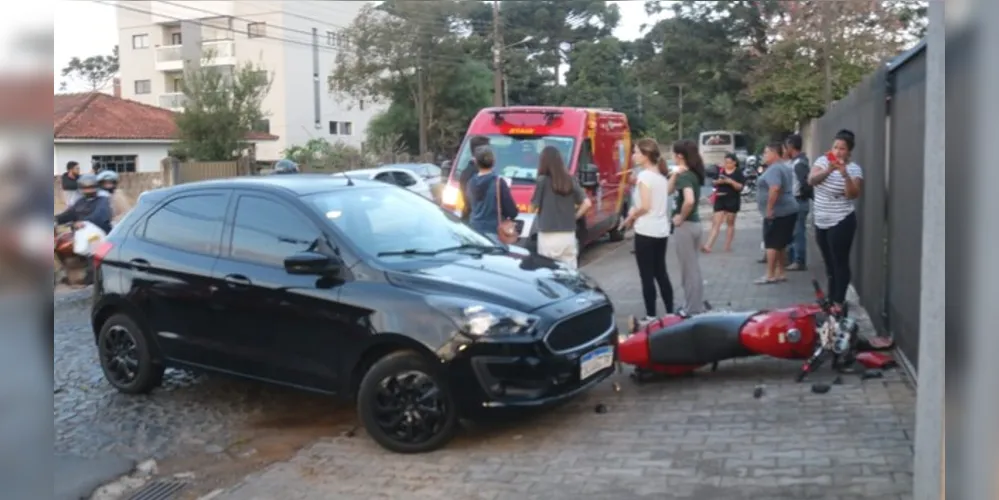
[595, 144]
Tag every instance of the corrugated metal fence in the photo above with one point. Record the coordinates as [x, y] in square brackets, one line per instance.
[887, 114]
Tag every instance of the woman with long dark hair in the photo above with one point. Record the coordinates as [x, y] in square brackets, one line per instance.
[650, 217]
[728, 201]
[559, 201]
[837, 182]
[685, 186]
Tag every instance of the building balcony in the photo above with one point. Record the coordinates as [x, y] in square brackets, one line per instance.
[214, 53]
[174, 101]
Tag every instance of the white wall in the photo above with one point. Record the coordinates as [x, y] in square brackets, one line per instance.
[148, 161]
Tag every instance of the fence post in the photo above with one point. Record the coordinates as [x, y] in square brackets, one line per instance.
[928, 468]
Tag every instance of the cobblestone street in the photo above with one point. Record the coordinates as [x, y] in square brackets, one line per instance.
[702, 437]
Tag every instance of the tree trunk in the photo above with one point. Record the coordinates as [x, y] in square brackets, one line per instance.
[421, 110]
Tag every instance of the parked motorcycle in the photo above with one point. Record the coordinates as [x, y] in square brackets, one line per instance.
[816, 333]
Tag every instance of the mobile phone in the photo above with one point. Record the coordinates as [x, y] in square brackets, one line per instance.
[831, 157]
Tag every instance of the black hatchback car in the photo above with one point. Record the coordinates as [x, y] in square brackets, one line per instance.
[346, 287]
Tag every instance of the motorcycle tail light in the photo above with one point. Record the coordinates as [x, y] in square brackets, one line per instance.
[102, 251]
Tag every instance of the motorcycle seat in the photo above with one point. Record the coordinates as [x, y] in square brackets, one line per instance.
[699, 340]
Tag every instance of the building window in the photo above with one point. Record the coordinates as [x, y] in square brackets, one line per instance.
[175, 39]
[341, 40]
[143, 87]
[117, 163]
[262, 126]
[256, 30]
[140, 41]
[346, 128]
[333, 128]
[331, 38]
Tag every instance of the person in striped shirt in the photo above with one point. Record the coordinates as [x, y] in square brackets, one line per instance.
[837, 183]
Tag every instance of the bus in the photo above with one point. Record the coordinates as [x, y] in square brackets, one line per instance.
[714, 145]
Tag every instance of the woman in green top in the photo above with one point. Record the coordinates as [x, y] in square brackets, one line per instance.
[685, 187]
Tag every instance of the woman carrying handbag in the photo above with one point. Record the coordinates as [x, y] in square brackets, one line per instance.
[492, 207]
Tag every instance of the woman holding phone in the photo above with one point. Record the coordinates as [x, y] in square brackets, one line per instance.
[728, 200]
[837, 183]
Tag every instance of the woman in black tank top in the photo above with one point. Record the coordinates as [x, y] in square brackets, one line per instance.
[728, 201]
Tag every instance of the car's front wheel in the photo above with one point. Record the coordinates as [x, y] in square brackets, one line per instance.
[405, 404]
[126, 356]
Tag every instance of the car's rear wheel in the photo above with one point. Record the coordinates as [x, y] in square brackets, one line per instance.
[126, 356]
[406, 405]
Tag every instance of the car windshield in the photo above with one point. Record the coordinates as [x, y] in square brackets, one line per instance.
[517, 156]
[388, 222]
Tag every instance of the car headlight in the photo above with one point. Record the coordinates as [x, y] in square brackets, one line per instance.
[450, 196]
[478, 319]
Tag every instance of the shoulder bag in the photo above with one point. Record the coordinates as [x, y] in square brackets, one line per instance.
[505, 229]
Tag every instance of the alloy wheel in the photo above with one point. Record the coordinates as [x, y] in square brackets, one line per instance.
[120, 355]
[410, 407]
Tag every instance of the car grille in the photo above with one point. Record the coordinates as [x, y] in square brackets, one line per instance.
[580, 329]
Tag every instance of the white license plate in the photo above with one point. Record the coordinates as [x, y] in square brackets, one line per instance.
[595, 360]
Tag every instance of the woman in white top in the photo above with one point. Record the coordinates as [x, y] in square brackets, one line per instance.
[651, 219]
[837, 182]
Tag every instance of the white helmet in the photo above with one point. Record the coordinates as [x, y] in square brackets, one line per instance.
[107, 176]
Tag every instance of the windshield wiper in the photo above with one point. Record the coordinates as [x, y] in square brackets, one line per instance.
[418, 252]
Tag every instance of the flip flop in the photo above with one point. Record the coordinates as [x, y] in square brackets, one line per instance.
[764, 281]
[780, 280]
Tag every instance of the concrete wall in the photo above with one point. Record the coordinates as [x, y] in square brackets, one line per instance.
[131, 184]
[149, 155]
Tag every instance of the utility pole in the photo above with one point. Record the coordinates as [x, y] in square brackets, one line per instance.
[679, 103]
[497, 57]
[826, 21]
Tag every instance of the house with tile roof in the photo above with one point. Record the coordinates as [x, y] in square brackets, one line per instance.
[114, 133]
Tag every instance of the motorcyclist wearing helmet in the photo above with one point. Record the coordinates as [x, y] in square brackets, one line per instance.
[108, 181]
[286, 167]
[91, 207]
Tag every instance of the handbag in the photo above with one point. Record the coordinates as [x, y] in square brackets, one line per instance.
[506, 230]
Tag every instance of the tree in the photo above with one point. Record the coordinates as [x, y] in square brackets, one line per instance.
[855, 35]
[221, 107]
[402, 45]
[320, 154]
[95, 71]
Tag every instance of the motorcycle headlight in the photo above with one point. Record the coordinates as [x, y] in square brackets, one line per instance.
[450, 196]
[477, 319]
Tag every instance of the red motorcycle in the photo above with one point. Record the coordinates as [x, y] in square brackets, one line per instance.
[678, 344]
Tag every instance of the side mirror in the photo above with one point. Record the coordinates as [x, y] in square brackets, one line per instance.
[311, 263]
[589, 175]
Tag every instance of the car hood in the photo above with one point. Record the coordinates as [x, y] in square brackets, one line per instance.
[524, 283]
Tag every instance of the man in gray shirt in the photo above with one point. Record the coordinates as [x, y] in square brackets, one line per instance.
[775, 199]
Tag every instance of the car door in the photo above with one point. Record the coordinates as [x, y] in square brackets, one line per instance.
[281, 327]
[169, 257]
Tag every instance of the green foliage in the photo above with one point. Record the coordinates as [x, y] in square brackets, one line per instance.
[221, 107]
[318, 155]
[95, 71]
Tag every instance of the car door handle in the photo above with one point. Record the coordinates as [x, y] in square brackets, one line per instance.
[140, 264]
[237, 281]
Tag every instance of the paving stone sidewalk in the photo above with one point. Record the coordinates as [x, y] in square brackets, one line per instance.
[702, 437]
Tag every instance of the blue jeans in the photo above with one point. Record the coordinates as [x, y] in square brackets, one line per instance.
[796, 251]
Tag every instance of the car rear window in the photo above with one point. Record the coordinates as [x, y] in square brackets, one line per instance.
[190, 223]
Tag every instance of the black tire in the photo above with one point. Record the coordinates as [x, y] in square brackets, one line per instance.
[373, 388]
[148, 372]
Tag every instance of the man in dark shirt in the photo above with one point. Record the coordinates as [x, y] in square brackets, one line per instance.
[68, 183]
[803, 194]
[470, 171]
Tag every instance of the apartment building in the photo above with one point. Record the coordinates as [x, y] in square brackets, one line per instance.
[296, 41]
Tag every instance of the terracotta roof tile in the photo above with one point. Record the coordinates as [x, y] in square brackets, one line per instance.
[104, 117]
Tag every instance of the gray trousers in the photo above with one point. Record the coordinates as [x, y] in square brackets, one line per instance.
[687, 243]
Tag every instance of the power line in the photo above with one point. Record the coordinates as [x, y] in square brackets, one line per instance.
[309, 44]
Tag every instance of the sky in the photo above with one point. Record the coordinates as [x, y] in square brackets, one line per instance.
[85, 28]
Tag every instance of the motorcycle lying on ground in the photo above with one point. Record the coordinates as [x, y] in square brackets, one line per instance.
[818, 332]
